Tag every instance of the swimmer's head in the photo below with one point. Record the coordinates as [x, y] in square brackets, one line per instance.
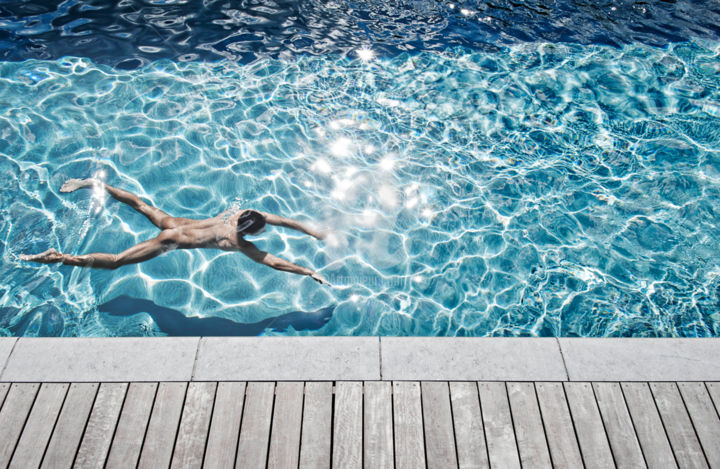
[250, 222]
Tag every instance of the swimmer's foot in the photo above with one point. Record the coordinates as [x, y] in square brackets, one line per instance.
[51, 256]
[71, 185]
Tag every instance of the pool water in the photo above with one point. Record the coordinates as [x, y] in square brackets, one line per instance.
[529, 187]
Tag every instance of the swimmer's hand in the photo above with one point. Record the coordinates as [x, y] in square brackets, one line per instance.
[71, 185]
[51, 256]
[320, 279]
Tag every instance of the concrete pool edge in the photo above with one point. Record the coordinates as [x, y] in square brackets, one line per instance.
[357, 359]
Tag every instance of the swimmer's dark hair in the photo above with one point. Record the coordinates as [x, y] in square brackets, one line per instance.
[250, 222]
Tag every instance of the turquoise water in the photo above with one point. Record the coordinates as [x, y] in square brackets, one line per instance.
[542, 189]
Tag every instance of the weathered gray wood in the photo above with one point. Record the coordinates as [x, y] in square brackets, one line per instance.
[559, 429]
[680, 431]
[378, 432]
[194, 424]
[13, 414]
[499, 433]
[529, 430]
[408, 425]
[225, 425]
[648, 426]
[163, 426]
[347, 425]
[286, 424]
[36, 434]
[589, 429]
[468, 425]
[4, 387]
[705, 419]
[130, 432]
[101, 426]
[618, 425]
[316, 426]
[70, 426]
[255, 430]
[714, 391]
[438, 425]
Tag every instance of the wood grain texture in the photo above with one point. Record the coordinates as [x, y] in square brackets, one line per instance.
[618, 425]
[706, 422]
[559, 429]
[499, 431]
[163, 426]
[286, 426]
[408, 425]
[225, 425]
[589, 428]
[468, 425]
[529, 430]
[315, 451]
[255, 429]
[133, 422]
[39, 425]
[378, 432]
[14, 412]
[438, 425]
[680, 431]
[70, 426]
[347, 425]
[100, 427]
[192, 435]
[648, 426]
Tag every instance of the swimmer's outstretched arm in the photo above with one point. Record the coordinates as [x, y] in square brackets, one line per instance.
[295, 225]
[262, 257]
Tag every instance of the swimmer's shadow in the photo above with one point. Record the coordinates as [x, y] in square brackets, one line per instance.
[174, 323]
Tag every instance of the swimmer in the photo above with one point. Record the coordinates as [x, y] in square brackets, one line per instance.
[225, 231]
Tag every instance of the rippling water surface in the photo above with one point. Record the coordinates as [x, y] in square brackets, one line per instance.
[545, 189]
[483, 168]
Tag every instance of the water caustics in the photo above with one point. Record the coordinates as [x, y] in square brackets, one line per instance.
[535, 188]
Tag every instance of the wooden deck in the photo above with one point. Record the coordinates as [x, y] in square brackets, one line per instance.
[353, 424]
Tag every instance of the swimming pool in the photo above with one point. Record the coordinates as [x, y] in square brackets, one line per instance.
[533, 179]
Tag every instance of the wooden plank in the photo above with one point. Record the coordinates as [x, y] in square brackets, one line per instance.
[704, 418]
[468, 425]
[194, 425]
[163, 426]
[618, 425]
[408, 425]
[347, 425]
[680, 431]
[499, 433]
[255, 430]
[130, 432]
[378, 432]
[70, 426]
[559, 429]
[286, 424]
[225, 425]
[4, 388]
[438, 425]
[648, 426]
[714, 391]
[39, 426]
[317, 426]
[594, 444]
[14, 412]
[101, 425]
[529, 430]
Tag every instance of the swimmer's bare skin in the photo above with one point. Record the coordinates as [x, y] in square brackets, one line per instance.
[178, 233]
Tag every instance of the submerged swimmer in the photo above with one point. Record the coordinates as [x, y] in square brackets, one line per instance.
[224, 231]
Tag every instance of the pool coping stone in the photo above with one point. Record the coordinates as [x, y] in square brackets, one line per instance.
[357, 359]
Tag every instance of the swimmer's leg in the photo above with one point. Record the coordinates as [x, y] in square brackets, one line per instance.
[102, 260]
[158, 218]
